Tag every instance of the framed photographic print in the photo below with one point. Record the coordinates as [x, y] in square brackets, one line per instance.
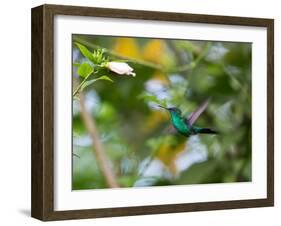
[141, 112]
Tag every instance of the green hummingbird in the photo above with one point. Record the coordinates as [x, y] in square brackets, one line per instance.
[185, 125]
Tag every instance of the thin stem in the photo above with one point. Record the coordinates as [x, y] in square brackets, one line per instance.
[202, 54]
[81, 84]
[194, 63]
[76, 155]
[147, 164]
[97, 145]
[176, 51]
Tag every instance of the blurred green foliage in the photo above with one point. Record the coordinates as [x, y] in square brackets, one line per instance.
[178, 73]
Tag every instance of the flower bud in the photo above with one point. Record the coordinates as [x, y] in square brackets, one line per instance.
[120, 68]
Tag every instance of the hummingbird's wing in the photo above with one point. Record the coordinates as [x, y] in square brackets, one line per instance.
[193, 116]
[170, 129]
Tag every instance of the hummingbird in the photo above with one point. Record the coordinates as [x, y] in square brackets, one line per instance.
[185, 125]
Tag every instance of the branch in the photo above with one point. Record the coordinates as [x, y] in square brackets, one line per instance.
[113, 53]
[182, 68]
[97, 145]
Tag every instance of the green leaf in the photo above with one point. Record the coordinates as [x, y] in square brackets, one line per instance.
[198, 173]
[127, 181]
[104, 77]
[90, 82]
[76, 64]
[149, 97]
[85, 70]
[86, 53]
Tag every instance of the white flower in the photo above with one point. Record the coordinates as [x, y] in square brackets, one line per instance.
[120, 68]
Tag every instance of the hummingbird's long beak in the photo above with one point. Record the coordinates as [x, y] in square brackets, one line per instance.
[163, 107]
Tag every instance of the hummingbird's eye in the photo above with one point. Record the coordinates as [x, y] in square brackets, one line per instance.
[176, 110]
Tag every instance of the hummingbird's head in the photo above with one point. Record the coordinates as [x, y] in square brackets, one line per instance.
[172, 110]
[175, 110]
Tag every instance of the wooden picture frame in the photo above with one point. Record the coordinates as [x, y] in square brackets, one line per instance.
[42, 205]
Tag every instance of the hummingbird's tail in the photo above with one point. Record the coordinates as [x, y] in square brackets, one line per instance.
[207, 130]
